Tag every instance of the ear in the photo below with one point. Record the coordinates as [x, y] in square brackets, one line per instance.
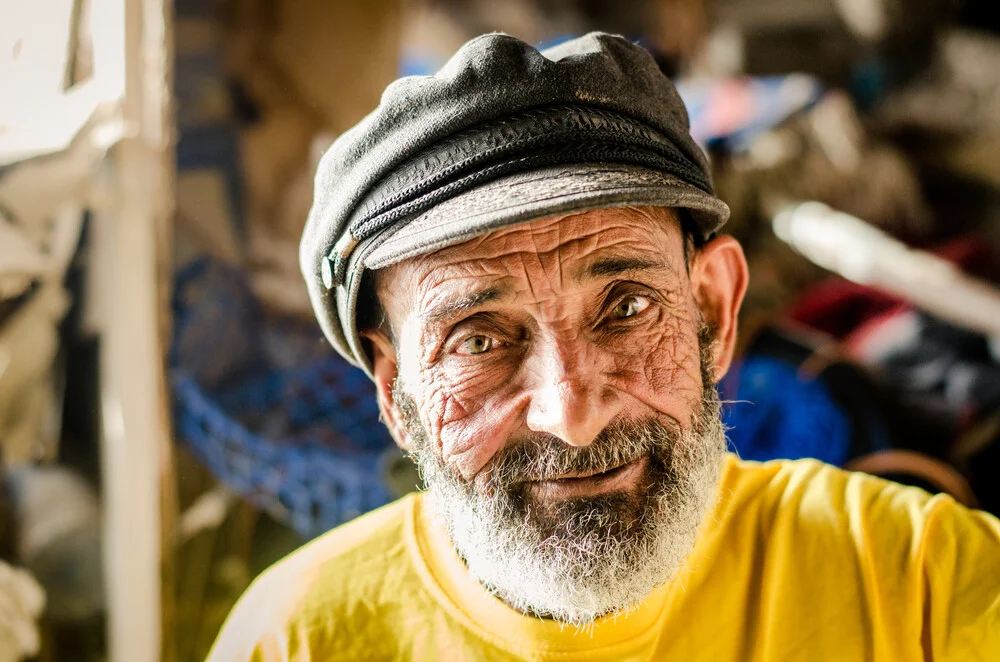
[719, 280]
[386, 369]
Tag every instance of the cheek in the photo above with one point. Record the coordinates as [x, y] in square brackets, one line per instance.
[660, 367]
[469, 419]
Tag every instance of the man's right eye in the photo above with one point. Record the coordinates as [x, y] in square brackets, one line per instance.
[476, 345]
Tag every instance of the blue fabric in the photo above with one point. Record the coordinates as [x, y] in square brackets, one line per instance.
[780, 413]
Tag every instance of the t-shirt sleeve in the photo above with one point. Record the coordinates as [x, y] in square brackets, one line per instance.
[233, 646]
[242, 640]
[960, 552]
[264, 626]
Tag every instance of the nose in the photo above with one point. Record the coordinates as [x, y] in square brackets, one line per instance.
[570, 398]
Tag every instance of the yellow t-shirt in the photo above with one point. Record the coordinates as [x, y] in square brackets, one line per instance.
[799, 561]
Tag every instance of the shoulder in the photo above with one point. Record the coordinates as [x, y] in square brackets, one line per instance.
[808, 505]
[823, 493]
[320, 588]
[348, 560]
[901, 543]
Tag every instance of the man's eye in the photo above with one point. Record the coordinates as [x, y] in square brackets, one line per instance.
[629, 307]
[476, 345]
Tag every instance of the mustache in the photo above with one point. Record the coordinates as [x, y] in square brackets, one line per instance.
[540, 457]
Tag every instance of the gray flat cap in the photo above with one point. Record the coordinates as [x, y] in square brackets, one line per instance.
[502, 134]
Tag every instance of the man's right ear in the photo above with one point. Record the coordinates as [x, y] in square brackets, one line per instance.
[386, 370]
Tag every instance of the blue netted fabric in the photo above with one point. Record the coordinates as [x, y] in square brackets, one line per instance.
[269, 408]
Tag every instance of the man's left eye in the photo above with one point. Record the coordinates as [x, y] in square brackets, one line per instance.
[629, 307]
[476, 345]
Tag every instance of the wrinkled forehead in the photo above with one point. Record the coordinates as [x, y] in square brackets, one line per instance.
[552, 253]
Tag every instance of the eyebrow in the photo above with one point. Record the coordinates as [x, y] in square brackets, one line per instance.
[609, 266]
[614, 266]
[451, 309]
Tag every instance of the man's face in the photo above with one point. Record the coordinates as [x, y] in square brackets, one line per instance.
[555, 382]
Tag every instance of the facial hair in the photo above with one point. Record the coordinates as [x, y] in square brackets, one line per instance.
[575, 560]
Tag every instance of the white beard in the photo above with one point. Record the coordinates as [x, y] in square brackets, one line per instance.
[588, 564]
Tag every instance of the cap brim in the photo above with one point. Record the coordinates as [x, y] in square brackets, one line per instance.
[542, 194]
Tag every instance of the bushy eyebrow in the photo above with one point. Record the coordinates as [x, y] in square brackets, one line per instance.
[616, 266]
[609, 266]
[451, 309]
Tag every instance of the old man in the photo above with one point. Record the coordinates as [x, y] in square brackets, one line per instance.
[523, 253]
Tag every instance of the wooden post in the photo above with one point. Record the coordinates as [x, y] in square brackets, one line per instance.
[135, 421]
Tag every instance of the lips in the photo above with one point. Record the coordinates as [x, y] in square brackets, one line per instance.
[586, 484]
[591, 474]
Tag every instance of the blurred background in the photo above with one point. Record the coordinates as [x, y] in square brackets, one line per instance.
[171, 420]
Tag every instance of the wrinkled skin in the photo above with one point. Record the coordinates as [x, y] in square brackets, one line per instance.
[590, 318]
